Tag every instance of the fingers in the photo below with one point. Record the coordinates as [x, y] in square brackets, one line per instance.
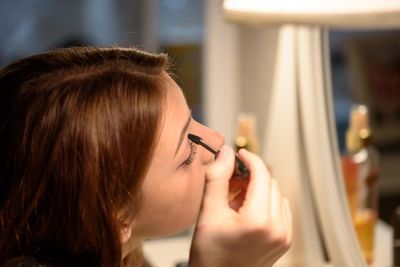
[263, 194]
[261, 229]
[258, 194]
[217, 178]
[275, 207]
[288, 221]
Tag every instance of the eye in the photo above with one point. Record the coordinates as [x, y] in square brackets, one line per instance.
[192, 155]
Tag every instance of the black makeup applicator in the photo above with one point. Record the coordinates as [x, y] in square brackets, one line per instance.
[241, 170]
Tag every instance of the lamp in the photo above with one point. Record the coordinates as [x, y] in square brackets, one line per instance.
[338, 13]
[300, 141]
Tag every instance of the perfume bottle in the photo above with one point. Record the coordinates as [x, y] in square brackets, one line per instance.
[247, 133]
[360, 171]
[246, 137]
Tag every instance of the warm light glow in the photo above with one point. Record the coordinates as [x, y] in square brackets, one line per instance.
[312, 6]
[325, 12]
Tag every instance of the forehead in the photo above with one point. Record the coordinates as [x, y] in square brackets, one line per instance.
[175, 100]
[175, 115]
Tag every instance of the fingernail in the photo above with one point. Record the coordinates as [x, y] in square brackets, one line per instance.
[244, 149]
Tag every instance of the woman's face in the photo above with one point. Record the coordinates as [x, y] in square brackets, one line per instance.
[173, 187]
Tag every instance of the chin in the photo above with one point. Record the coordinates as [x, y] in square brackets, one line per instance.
[181, 227]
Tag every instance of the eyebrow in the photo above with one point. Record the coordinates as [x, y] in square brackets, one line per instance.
[183, 133]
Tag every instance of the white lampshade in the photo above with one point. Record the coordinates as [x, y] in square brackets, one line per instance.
[333, 13]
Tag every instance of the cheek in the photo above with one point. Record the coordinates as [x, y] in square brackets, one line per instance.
[189, 192]
[195, 187]
[171, 203]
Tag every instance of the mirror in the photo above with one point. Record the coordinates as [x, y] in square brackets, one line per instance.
[366, 70]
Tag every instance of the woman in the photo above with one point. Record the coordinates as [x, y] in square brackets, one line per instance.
[95, 159]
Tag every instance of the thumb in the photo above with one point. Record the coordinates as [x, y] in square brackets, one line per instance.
[217, 179]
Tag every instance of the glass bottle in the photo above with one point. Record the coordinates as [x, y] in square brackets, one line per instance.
[247, 133]
[361, 170]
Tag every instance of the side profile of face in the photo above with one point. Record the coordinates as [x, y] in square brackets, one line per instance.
[173, 187]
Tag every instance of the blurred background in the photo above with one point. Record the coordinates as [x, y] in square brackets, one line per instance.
[365, 64]
[176, 26]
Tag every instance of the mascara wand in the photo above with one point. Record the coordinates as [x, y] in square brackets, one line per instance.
[241, 170]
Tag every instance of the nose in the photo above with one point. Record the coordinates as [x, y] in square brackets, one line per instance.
[219, 139]
[213, 138]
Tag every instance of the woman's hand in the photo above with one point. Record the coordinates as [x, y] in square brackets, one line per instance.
[255, 232]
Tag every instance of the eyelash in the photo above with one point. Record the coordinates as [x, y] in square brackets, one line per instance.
[192, 155]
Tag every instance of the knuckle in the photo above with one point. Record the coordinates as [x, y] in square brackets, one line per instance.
[267, 234]
[288, 243]
[278, 238]
[259, 229]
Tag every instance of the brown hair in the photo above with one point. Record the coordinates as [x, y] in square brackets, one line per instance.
[78, 129]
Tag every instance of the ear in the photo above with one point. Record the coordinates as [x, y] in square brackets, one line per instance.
[126, 233]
